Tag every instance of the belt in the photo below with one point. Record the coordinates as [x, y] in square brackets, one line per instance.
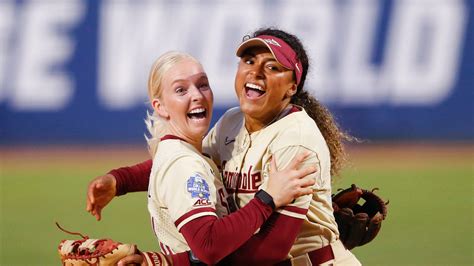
[318, 256]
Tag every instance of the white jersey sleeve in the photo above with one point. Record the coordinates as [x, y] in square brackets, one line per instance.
[284, 156]
[187, 189]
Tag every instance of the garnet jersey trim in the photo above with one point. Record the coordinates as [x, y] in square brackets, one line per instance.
[193, 214]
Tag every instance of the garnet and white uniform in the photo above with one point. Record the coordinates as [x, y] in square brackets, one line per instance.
[305, 225]
[188, 205]
[184, 185]
[245, 160]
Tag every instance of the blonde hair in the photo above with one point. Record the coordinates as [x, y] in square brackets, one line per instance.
[156, 125]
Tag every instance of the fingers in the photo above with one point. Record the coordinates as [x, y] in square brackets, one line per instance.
[304, 187]
[273, 166]
[130, 259]
[306, 171]
[88, 205]
[302, 173]
[90, 192]
[94, 210]
[90, 197]
[295, 162]
[304, 191]
[98, 214]
[90, 200]
[299, 158]
[307, 182]
[100, 192]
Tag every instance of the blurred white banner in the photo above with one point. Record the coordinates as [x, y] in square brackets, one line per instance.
[418, 48]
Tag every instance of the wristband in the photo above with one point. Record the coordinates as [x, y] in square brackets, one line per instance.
[265, 198]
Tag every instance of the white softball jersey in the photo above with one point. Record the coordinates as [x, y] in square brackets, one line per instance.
[184, 185]
[245, 158]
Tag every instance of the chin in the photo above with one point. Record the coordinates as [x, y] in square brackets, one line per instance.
[250, 109]
[201, 130]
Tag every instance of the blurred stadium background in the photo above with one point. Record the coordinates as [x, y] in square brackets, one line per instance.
[397, 74]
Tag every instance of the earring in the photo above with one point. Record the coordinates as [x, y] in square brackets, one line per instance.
[290, 93]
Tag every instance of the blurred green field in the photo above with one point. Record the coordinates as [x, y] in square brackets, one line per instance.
[430, 188]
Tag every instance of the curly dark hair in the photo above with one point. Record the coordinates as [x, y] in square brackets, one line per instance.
[330, 130]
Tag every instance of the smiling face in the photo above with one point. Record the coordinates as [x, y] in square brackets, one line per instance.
[185, 101]
[263, 86]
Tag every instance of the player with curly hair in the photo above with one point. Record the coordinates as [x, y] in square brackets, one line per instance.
[277, 118]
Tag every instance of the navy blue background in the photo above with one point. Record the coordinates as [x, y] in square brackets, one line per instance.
[85, 121]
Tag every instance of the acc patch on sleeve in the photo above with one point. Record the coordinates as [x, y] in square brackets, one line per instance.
[198, 187]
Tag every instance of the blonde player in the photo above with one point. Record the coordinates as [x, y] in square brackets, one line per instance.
[186, 195]
[276, 118]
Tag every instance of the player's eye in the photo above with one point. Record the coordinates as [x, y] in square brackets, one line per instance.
[273, 67]
[248, 60]
[204, 86]
[180, 90]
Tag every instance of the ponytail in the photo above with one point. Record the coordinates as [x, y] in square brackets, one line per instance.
[156, 127]
[331, 132]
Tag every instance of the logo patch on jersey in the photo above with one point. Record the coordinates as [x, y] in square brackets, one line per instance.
[198, 187]
[202, 202]
[228, 141]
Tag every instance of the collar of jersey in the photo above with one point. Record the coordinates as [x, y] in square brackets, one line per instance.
[169, 136]
[288, 110]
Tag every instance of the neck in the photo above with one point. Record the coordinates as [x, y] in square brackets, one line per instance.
[253, 124]
[196, 142]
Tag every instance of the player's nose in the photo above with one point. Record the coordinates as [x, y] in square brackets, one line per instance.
[196, 94]
[257, 71]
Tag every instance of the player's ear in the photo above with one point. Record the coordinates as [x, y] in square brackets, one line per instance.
[292, 90]
[159, 108]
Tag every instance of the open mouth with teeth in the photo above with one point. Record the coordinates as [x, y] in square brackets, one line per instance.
[253, 90]
[198, 113]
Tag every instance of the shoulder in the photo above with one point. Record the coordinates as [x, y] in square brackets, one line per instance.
[299, 129]
[299, 125]
[230, 122]
[232, 115]
[170, 149]
[179, 169]
[175, 153]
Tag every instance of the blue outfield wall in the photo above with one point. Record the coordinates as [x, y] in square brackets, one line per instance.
[75, 71]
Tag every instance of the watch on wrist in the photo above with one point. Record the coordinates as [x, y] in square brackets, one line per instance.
[265, 198]
[193, 260]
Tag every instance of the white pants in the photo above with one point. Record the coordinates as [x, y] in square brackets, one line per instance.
[342, 256]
